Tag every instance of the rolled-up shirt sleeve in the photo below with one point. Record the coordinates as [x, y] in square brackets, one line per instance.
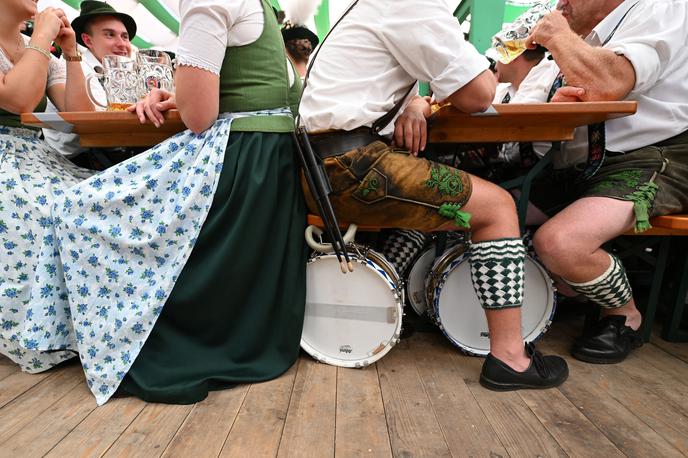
[203, 34]
[651, 39]
[429, 45]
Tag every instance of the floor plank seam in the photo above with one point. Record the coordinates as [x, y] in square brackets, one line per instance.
[432, 406]
[181, 424]
[336, 394]
[291, 394]
[384, 410]
[229, 431]
[75, 427]
[124, 430]
[620, 401]
[10, 401]
[456, 360]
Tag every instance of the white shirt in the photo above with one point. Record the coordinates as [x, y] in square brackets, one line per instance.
[376, 53]
[68, 144]
[654, 38]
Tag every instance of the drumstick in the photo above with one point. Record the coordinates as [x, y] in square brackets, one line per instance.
[323, 186]
[320, 197]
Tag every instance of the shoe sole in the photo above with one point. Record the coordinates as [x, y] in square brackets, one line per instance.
[596, 360]
[497, 386]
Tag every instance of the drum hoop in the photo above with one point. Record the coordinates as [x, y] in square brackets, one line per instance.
[415, 262]
[543, 325]
[435, 273]
[386, 274]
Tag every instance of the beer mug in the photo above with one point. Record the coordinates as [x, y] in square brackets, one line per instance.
[120, 81]
[155, 70]
[510, 42]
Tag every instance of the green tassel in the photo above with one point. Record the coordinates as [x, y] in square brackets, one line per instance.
[642, 199]
[461, 218]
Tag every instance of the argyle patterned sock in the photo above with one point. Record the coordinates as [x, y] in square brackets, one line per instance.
[610, 290]
[497, 271]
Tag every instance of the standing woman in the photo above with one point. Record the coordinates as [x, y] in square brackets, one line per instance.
[31, 174]
[194, 275]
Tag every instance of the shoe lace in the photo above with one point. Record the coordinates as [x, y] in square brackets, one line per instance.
[538, 360]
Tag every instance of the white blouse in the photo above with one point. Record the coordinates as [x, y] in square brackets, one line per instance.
[209, 27]
[57, 71]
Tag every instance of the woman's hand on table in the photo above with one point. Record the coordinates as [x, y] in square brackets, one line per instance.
[569, 94]
[153, 106]
[411, 127]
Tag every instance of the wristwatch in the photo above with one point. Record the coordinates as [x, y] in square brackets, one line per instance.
[75, 58]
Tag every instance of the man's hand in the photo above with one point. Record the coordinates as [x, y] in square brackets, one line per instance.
[569, 94]
[153, 105]
[550, 27]
[410, 128]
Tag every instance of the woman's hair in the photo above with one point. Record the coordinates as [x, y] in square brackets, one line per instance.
[299, 49]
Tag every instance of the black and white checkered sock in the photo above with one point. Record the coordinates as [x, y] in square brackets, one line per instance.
[610, 290]
[497, 271]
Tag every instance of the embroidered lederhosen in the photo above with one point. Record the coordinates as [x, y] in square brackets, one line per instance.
[381, 185]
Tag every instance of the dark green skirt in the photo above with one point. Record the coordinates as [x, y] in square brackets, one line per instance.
[236, 313]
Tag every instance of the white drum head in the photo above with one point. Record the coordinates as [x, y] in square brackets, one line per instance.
[415, 284]
[352, 319]
[462, 319]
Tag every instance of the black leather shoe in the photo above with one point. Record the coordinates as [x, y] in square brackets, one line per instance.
[543, 372]
[607, 341]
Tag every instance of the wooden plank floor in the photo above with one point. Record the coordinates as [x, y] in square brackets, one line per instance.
[422, 399]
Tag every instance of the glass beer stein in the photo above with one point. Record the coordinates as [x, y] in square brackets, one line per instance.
[155, 70]
[120, 81]
[510, 42]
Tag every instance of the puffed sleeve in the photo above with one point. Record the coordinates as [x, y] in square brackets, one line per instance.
[429, 46]
[203, 34]
[57, 71]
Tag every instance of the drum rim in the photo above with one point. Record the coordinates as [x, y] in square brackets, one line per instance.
[544, 323]
[407, 285]
[444, 260]
[398, 299]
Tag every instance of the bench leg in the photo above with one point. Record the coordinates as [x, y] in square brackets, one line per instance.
[655, 287]
[671, 331]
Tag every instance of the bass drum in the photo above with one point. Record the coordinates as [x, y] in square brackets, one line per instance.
[417, 277]
[456, 310]
[353, 319]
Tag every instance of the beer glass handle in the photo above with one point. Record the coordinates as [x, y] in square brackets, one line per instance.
[88, 88]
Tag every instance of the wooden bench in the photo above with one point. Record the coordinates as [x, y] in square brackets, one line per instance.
[659, 237]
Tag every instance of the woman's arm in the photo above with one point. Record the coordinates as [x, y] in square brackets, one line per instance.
[24, 85]
[198, 108]
[71, 96]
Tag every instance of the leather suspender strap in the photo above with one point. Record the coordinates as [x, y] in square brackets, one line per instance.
[385, 119]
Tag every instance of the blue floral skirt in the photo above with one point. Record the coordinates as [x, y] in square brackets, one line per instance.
[32, 177]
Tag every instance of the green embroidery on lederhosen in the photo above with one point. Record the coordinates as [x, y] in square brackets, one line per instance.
[626, 178]
[369, 186]
[446, 180]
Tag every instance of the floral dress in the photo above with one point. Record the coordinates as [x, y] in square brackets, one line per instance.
[32, 176]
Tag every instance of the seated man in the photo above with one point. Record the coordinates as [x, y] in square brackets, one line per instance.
[632, 51]
[103, 31]
[515, 72]
[369, 64]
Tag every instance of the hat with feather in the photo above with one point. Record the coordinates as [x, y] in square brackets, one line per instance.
[296, 14]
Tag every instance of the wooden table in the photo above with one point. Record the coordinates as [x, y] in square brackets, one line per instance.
[107, 128]
[522, 122]
[507, 122]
